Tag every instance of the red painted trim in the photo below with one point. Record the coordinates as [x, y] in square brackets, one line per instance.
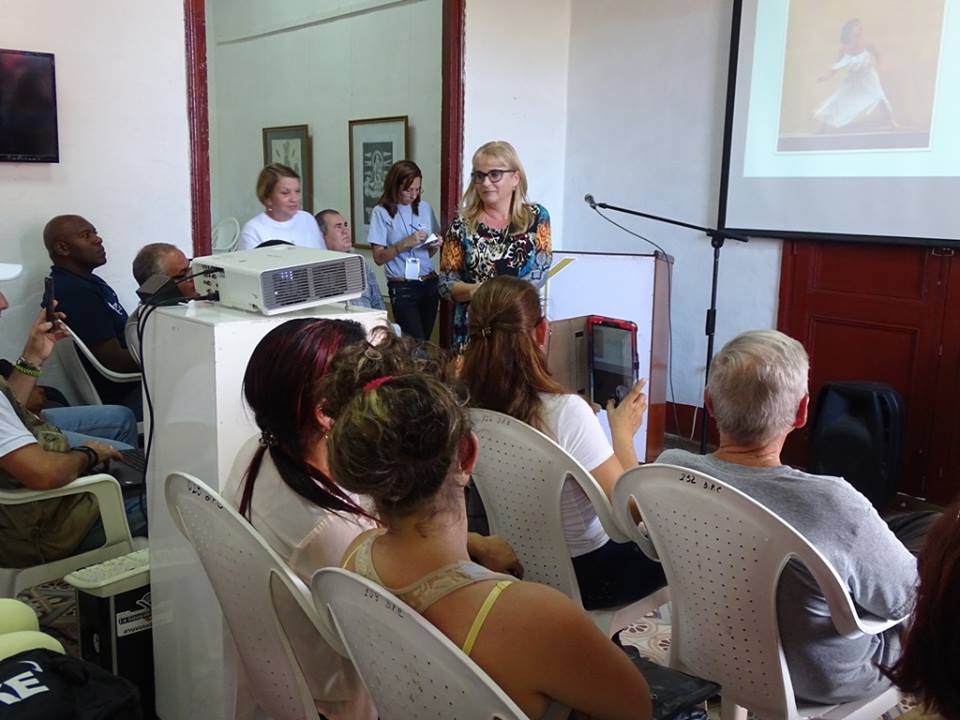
[788, 263]
[451, 134]
[198, 119]
[451, 113]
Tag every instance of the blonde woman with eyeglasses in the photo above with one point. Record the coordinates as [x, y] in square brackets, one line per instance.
[498, 232]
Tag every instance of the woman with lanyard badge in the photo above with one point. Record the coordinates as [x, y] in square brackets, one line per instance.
[401, 227]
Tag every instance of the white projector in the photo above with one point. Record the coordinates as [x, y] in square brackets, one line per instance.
[280, 278]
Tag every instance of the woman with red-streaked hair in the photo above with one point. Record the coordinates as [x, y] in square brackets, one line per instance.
[281, 481]
[929, 667]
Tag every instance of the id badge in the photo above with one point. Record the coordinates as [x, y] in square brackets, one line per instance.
[411, 270]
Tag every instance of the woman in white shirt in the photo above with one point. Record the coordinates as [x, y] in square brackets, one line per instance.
[278, 188]
[505, 369]
[399, 228]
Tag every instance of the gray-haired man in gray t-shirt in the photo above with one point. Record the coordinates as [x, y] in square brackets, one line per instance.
[757, 393]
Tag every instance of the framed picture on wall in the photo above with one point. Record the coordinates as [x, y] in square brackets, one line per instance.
[290, 145]
[375, 145]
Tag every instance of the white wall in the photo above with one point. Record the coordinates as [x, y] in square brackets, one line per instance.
[515, 89]
[321, 64]
[124, 144]
[643, 110]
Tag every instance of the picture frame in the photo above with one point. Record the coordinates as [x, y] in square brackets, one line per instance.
[290, 145]
[375, 144]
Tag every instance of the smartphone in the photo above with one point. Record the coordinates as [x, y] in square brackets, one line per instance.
[47, 303]
[613, 359]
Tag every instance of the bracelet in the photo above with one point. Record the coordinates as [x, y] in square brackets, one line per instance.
[26, 367]
[90, 454]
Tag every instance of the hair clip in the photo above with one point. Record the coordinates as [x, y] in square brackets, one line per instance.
[268, 438]
[377, 382]
[486, 331]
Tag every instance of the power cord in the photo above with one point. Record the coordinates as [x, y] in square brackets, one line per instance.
[673, 395]
[147, 308]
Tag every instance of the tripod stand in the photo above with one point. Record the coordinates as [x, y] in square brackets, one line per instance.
[717, 239]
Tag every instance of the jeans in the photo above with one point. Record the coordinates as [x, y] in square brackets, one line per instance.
[415, 306]
[115, 425]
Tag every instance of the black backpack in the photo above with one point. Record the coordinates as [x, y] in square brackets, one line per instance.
[42, 685]
[857, 434]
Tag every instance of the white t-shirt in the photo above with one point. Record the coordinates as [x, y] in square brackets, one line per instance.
[571, 422]
[301, 229]
[13, 433]
[308, 538]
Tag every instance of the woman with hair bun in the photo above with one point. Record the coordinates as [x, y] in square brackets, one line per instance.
[505, 369]
[498, 232]
[404, 439]
[278, 188]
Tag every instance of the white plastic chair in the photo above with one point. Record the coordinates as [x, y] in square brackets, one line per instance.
[411, 669]
[69, 350]
[520, 474]
[723, 553]
[225, 235]
[118, 541]
[260, 597]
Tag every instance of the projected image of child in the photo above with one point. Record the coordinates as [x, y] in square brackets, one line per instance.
[859, 103]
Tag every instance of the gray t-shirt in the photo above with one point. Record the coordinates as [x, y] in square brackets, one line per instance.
[879, 571]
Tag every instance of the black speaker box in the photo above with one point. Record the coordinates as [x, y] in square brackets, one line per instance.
[857, 433]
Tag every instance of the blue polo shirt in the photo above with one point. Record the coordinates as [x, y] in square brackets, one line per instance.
[93, 309]
[95, 314]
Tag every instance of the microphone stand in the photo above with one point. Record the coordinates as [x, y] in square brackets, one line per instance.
[717, 238]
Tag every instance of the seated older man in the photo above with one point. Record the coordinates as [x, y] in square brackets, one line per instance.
[757, 393]
[336, 235]
[157, 259]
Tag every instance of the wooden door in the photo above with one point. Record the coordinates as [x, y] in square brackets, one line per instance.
[877, 313]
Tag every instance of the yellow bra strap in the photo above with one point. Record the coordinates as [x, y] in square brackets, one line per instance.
[482, 615]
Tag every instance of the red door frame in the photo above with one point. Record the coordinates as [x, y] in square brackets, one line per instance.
[451, 117]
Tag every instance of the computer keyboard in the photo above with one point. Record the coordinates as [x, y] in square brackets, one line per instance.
[111, 571]
[135, 459]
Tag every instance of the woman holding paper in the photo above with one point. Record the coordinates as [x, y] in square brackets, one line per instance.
[403, 237]
[498, 232]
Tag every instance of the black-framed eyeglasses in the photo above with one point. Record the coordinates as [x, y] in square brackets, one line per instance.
[495, 175]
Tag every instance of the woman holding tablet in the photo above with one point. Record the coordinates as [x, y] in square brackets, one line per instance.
[505, 369]
[402, 233]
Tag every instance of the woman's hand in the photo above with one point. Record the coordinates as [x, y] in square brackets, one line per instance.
[43, 337]
[627, 417]
[494, 553]
[411, 241]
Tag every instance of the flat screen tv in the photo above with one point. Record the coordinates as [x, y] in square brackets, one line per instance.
[28, 107]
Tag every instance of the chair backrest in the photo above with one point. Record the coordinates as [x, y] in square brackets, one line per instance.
[409, 667]
[76, 373]
[520, 474]
[81, 347]
[225, 235]
[255, 590]
[723, 554]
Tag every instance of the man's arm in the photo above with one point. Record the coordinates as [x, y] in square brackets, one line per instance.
[39, 469]
[114, 356]
[43, 336]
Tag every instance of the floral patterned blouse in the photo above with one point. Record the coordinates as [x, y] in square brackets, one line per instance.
[486, 253]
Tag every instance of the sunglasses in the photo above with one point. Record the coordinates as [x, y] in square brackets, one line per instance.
[496, 175]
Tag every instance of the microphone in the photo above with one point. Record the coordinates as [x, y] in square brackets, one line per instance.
[588, 199]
